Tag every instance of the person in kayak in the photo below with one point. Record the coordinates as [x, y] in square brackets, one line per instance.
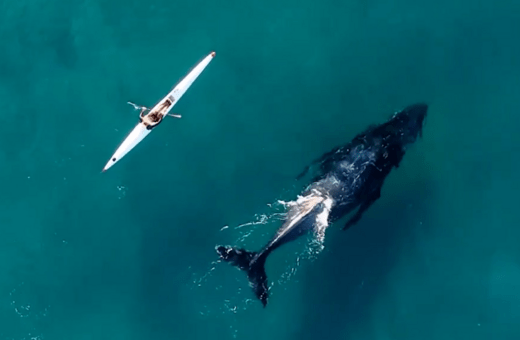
[152, 119]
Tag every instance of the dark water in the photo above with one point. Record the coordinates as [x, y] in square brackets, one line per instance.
[128, 254]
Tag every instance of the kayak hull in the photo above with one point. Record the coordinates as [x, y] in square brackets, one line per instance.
[140, 131]
[134, 138]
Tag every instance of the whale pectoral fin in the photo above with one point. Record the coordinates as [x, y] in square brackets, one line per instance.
[326, 156]
[362, 208]
[303, 173]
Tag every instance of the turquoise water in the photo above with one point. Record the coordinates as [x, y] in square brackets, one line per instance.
[129, 254]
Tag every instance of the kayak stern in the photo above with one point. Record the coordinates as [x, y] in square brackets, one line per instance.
[136, 136]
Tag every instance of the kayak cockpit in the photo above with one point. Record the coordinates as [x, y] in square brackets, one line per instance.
[156, 115]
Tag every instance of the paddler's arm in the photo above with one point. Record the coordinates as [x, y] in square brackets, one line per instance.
[141, 116]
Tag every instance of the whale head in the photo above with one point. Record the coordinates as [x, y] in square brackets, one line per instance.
[407, 124]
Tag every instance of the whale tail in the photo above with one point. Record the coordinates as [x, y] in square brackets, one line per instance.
[253, 264]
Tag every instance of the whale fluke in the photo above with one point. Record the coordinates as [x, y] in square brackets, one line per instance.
[253, 264]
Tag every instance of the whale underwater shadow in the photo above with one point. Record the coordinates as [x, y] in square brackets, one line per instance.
[350, 178]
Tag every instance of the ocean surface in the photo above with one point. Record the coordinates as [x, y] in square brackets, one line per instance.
[129, 254]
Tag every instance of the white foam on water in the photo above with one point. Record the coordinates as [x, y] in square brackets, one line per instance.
[315, 243]
[242, 299]
[26, 311]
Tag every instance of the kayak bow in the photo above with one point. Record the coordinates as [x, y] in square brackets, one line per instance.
[163, 108]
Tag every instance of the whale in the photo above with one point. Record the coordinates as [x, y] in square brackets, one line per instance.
[348, 177]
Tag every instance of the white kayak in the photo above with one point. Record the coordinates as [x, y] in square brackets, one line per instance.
[162, 108]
